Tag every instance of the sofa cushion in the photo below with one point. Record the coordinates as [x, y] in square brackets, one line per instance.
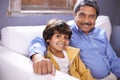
[104, 23]
[17, 38]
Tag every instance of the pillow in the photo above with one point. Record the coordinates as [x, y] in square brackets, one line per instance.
[18, 38]
[104, 23]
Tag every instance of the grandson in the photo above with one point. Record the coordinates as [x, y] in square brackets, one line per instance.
[64, 58]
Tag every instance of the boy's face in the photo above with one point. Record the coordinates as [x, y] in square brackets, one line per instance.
[58, 42]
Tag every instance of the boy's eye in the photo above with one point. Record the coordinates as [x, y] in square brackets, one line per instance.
[57, 36]
[66, 37]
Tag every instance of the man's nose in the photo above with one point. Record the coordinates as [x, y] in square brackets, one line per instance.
[87, 19]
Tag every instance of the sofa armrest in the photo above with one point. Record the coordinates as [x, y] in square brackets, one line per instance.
[14, 66]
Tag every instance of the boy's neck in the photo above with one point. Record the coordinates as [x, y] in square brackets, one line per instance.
[59, 54]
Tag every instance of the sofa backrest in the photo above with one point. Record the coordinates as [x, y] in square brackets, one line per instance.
[18, 38]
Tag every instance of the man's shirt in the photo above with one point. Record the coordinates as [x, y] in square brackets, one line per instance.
[95, 50]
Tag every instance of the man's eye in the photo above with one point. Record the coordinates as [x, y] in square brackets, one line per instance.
[81, 15]
[92, 16]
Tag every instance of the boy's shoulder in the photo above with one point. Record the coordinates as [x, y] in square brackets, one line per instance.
[72, 52]
[72, 49]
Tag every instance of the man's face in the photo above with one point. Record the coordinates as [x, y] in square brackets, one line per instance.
[85, 18]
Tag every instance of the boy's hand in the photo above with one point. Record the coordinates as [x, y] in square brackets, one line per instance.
[42, 66]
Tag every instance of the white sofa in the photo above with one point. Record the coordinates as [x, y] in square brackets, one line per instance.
[14, 61]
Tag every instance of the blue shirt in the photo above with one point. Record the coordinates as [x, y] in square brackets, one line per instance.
[95, 50]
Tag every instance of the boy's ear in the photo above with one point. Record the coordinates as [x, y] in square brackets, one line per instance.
[47, 40]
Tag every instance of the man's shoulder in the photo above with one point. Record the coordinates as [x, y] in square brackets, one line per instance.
[100, 34]
[99, 30]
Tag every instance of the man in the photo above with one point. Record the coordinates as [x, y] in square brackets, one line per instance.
[96, 52]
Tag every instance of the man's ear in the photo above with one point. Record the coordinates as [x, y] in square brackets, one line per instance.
[74, 14]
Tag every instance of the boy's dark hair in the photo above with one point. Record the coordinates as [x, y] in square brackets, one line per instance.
[82, 3]
[56, 25]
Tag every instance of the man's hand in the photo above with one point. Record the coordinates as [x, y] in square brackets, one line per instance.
[42, 66]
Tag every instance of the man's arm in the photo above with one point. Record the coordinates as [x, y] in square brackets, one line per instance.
[113, 58]
[36, 53]
[37, 45]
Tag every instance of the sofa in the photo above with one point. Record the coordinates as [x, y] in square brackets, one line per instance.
[14, 61]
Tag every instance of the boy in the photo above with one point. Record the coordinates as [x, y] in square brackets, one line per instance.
[65, 58]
